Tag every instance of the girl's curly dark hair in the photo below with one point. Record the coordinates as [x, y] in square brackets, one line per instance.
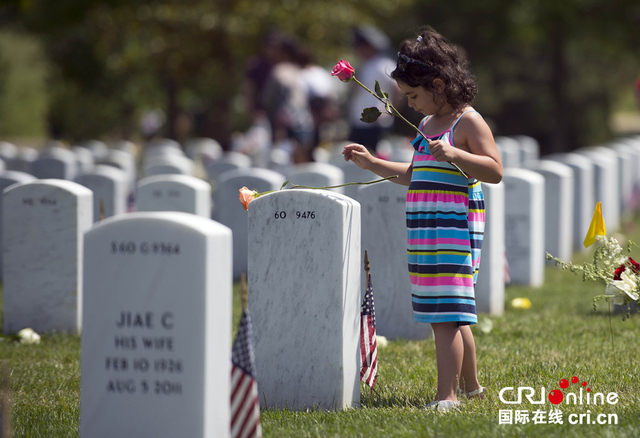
[443, 60]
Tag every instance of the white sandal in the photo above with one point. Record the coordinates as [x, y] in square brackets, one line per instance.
[443, 405]
[475, 393]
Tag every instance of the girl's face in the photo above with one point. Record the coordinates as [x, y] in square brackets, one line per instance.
[419, 99]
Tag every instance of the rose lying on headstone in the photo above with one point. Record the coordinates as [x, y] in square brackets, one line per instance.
[28, 336]
[247, 196]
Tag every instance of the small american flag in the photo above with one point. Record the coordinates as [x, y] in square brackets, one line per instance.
[245, 407]
[368, 344]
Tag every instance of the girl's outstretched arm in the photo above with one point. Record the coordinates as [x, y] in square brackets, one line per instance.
[363, 159]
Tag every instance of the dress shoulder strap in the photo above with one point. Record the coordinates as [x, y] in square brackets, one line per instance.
[423, 122]
[461, 116]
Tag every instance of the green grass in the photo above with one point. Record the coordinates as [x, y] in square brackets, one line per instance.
[559, 337]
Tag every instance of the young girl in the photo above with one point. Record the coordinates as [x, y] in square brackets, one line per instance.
[445, 209]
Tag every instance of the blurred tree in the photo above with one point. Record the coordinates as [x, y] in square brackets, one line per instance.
[23, 94]
[550, 69]
[115, 59]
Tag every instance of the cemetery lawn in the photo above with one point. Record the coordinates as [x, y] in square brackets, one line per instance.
[559, 337]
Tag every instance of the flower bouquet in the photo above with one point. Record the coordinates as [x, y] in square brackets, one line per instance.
[620, 273]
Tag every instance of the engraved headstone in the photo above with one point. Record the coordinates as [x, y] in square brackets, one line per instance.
[384, 236]
[42, 254]
[304, 297]
[156, 340]
[110, 189]
[524, 226]
[229, 211]
[583, 194]
[183, 193]
[558, 207]
[55, 162]
[9, 178]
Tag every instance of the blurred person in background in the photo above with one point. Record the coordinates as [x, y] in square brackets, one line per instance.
[286, 101]
[322, 96]
[372, 47]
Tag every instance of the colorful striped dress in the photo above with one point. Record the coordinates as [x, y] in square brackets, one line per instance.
[445, 226]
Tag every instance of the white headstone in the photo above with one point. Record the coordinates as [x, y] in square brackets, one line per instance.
[123, 161]
[42, 254]
[229, 211]
[85, 161]
[8, 151]
[127, 146]
[110, 190]
[9, 178]
[23, 161]
[304, 297]
[183, 193]
[529, 149]
[162, 147]
[168, 165]
[229, 161]
[156, 340]
[558, 207]
[524, 226]
[206, 149]
[583, 194]
[628, 172]
[98, 148]
[606, 182]
[56, 163]
[316, 175]
[491, 276]
[353, 173]
[384, 236]
[509, 150]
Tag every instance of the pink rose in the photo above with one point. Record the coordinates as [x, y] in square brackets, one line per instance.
[247, 196]
[343, 71]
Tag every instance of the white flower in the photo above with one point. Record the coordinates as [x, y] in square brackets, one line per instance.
[28, 336]
[624, 289]
[485, 325]
[381, 341]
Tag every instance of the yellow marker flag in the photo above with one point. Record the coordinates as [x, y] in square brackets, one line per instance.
[596, 228]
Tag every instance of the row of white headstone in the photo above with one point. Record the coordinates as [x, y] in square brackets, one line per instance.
[151, 291]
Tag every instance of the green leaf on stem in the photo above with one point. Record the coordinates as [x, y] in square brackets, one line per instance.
[284, 184]
[370, 115]
[381, 94]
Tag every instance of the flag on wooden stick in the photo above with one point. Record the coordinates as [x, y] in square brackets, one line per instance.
[368, 344]
[245, 406]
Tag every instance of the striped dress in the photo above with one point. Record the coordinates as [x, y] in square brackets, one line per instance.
[445, 226]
